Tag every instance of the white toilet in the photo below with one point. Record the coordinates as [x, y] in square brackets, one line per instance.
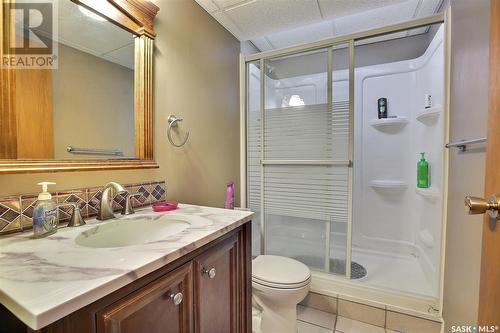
[278, 285]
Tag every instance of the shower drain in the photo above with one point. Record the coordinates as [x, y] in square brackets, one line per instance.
[337, 266]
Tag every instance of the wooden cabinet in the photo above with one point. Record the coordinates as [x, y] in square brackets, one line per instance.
[215, 283]
[165, 305]
[216, 288]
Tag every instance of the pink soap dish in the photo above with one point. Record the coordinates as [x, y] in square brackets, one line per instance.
[164, 206]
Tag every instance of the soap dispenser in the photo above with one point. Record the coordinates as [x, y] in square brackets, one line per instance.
[423, 178]
[45, 213]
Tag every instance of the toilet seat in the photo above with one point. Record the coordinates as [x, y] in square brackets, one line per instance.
[279, 272]
[280, 286]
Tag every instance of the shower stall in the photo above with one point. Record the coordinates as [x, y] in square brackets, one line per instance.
[334, 186]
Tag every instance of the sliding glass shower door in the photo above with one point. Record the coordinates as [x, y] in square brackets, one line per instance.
[299, 150]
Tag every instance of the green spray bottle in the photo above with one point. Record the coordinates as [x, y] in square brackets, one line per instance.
[423, 178]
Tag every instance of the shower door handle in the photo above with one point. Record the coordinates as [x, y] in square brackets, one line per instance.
[475, 205]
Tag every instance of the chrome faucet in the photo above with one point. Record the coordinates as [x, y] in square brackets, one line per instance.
[106, 206]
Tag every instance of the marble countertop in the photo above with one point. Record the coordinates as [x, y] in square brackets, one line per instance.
[43, 280]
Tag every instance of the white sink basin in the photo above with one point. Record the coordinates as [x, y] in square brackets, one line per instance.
[137, 230]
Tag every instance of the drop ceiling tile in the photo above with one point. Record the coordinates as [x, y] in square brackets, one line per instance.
[263, 17]
[208, 5]
[375, 18]
[307, 34]
[271, 24]
[428, 7]
[340, 8]
[229, 24]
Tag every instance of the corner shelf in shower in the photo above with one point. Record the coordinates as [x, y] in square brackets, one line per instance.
[430, 115]
[430, 193]
[388, 184]
[389, 123]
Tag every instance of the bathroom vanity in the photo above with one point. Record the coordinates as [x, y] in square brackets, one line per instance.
[196, 277]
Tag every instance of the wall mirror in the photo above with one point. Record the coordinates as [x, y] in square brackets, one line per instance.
[91, 109]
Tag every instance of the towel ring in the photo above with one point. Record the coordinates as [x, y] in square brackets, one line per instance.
[172, 122]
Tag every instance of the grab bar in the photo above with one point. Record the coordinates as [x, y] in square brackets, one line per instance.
[462, 145]
[94, 151]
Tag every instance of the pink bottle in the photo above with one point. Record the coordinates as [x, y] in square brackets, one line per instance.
[229, 196]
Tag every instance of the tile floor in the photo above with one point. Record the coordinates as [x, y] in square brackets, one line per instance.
[315, 321]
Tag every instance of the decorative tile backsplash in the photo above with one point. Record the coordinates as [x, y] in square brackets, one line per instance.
[16, 212]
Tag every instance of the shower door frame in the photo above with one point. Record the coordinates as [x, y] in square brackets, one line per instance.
[328, 280]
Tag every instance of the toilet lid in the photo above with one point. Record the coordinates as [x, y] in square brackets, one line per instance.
[276, 270]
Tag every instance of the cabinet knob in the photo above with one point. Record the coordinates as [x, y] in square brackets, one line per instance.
[176, 298]
[209, 272]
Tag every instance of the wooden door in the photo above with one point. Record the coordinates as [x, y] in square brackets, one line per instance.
[154, 308]
[489, 299]
[26, 129]
[216, 289]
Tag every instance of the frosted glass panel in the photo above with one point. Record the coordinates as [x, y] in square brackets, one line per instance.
[298, 120]
[305, 206]
[292, 153]
[254, 150]
[300, 238]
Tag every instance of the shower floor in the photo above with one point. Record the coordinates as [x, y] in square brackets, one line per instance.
[337, 266]
[381, 270]
[400, 273]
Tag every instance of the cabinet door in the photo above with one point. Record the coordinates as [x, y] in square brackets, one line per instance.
[164, 305]
[217, 289]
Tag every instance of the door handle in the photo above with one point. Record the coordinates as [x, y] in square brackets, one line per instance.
[475, 205]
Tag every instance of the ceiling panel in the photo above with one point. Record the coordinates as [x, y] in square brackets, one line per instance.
[428, 7]
[229, 24]
[339, 8]
[375, 18]
[263, 17]
[272, 24]
[208, 5]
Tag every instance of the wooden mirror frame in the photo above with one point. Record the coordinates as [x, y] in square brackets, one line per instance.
[135, 16]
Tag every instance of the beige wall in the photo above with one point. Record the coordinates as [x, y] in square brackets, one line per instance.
[468, 118]
[196, 77]
[92, 105]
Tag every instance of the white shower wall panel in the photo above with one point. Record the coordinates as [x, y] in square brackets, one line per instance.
[400, 220]
[383, 219]
[429, 138]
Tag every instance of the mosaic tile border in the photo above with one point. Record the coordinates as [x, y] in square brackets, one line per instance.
[16, 212]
